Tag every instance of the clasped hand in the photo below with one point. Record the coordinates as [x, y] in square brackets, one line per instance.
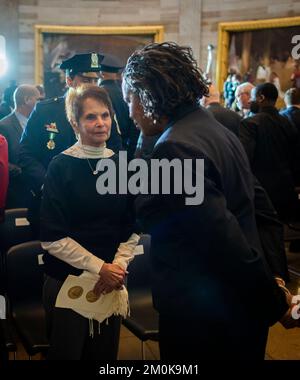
[111, 278]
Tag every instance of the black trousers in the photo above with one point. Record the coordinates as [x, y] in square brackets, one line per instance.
[69, 332]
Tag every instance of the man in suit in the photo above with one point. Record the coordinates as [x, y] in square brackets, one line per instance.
[271, 144]
[269, 228]
[292, 110]
[110, 67]
[11, 127]
[225, 116]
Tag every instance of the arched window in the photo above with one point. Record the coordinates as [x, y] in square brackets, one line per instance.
[3, 59]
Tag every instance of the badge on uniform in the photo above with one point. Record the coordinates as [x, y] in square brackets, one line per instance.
[94, 61]
[52, 129]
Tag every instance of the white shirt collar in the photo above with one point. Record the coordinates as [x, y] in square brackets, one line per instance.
[293, 105]
[22, 119]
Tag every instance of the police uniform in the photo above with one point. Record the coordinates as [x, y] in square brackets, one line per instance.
[128, 130]
[48, 131]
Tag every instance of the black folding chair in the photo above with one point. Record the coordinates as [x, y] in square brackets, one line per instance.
[143, 319]
[25, 279]
[14, 230]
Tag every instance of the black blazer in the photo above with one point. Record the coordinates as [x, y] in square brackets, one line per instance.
[208, 254]
[272, 146]
[269, 228]
[18, 193]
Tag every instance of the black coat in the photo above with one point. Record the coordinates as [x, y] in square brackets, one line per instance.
[207, 258]
[269, 228]
[226, 117]
[271, 232]
[271, 144]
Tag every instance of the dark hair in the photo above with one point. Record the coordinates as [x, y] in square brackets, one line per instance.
[164, 76]
[292, 96]
[269, 91]
[76, 97]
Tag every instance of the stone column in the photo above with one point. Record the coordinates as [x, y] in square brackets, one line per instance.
[190, 25]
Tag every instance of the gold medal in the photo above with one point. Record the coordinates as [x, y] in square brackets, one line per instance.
[75, 292]
[51, 144]
[91, 296]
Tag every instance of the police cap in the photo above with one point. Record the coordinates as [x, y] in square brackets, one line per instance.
[110, 64]
[82, 63]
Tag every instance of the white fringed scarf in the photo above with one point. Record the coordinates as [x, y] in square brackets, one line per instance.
[113, 303]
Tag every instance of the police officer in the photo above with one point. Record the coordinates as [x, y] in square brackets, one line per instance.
[48, 132]
[109, 79]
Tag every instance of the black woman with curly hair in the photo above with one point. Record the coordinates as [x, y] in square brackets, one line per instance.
[211, 288]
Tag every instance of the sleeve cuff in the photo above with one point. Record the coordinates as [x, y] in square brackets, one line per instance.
[125, 252]
[95, 264]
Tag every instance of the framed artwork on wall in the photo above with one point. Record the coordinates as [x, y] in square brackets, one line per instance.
[54, 43]
[260, 51]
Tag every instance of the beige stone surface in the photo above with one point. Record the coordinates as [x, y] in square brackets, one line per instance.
[192, 22]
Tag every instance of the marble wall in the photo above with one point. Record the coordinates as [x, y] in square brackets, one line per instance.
[192, 22]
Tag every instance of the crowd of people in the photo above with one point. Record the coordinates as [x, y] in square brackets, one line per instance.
[218, 268]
